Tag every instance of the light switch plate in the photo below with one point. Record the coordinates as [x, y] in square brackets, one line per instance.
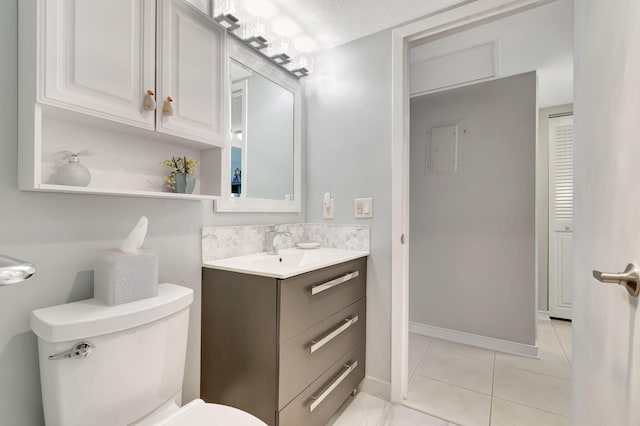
[362, 208]
[327, 212]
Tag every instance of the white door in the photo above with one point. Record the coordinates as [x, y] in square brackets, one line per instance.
[560, 216]
[606, 330]
[191, 69]
[99, 57]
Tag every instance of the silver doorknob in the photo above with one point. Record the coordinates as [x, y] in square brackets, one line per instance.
[629, 278]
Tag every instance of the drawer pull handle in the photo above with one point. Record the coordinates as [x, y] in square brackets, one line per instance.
[330, 284]
[348, 322]
[317, 400]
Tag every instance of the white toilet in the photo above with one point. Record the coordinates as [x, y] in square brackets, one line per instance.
[121, 365]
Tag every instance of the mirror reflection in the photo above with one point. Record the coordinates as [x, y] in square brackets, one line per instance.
[262, 132]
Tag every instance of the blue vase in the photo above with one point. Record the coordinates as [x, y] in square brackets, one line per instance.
[185, 183]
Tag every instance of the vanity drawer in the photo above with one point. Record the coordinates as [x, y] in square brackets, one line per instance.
[329, 340]
[330, 390]
[307, 299]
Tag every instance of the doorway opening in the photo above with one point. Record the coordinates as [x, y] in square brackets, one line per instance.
[448, 159]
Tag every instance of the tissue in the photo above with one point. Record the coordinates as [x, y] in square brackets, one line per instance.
[128, 273]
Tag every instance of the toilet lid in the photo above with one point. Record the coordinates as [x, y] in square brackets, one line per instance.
[199, 413]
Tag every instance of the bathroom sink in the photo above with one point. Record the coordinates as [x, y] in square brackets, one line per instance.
[283, 259]
[287, 263]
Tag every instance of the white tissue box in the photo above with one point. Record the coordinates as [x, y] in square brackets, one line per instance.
[124, 277]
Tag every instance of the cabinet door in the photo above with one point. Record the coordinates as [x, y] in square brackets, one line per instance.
[191, 64]
[98, 57]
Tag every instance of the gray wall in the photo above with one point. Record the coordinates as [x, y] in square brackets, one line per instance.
[472, 247]
[349, 154]
[542, 201]
[60, 234]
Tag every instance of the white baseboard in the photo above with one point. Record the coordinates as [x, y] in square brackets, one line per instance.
[484, 342]
[544, 315]
[376, 387]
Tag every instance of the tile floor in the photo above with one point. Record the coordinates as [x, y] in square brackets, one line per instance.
[369, 410]
[463, 385]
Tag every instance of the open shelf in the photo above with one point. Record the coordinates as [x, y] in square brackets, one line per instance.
[126, 159]
[109, 191]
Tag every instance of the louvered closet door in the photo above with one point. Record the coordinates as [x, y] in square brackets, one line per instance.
[560, 216]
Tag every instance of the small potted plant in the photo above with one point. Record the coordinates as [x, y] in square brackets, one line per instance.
[182, 178]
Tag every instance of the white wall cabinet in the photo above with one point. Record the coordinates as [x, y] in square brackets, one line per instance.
[85, 67]
[191, 72]
[98, 57]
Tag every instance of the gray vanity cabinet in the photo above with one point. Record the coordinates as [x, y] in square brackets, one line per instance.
[288, 351]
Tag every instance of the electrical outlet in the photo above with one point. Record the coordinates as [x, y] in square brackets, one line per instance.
[363, 208]
[327, 209]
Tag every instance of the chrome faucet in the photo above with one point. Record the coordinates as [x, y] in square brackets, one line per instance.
[274, 231]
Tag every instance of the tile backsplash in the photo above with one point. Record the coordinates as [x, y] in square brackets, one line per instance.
[228, 241]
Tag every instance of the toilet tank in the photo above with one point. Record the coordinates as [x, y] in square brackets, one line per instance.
[136, 366]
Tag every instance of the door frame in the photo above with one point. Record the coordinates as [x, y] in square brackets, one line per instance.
[432, 27]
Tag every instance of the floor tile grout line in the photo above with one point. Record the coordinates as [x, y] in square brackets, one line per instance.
[531, 406]
[419, 361]
[420, 410]
[564, 351]
[459, 355]
[455, 386]
[536, 372]
[426, 414]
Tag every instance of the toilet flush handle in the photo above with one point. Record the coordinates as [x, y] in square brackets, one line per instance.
[79, 350]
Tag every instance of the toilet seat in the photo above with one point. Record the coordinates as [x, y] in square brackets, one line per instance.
[200, 413]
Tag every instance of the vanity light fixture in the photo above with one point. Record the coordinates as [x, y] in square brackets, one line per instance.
[278, 51]
[281, 58]
[300, 72]
[256, 33]
[228, 21]
[301, 68]
[224, 14]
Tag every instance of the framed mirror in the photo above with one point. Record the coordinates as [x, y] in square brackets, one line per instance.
[262, 158]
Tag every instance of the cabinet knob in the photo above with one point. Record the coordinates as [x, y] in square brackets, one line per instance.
[149, 102]
[167, 108]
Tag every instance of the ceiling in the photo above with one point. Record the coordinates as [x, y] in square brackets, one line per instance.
[316, 25]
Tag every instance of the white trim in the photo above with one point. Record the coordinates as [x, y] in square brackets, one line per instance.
[433, 26]
[485, 342]
[399, 222]
[376, 387]
[495, 52]
[544, 316]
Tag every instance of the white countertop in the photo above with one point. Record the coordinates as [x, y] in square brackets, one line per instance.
[287, 263]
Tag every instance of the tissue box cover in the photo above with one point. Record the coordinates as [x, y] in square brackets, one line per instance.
[124, 277]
